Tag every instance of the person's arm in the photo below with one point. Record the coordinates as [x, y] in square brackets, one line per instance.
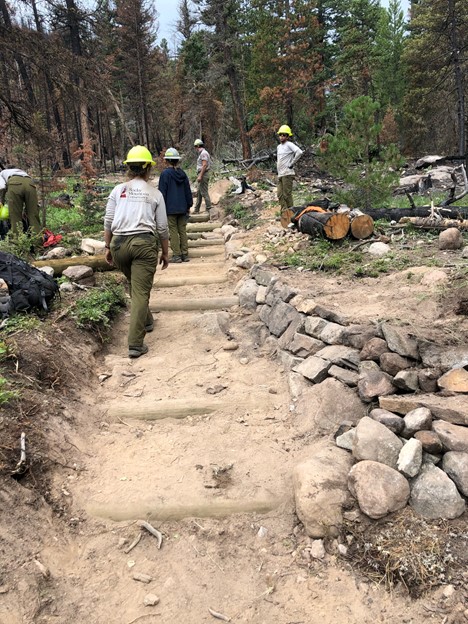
[297, 154]
[163, 232]
[201, 173]
[108, 218]
[162, 186]
[188, 194]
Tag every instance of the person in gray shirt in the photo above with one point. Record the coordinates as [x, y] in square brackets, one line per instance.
[203, 176]
[288, 153]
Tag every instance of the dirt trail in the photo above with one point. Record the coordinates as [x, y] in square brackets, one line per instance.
[217, 485]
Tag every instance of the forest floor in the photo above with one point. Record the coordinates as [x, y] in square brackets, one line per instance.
[217, 485]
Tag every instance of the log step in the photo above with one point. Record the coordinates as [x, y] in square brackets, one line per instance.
[158, 410]
[203, 227]
[189, 280]
[203, 217]
[185, 305]
[127, 511]
[202, 252]
[219, 242]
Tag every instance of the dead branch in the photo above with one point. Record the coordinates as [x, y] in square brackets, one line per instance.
[152, 530]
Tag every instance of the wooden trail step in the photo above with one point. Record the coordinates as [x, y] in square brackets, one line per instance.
[128, 511]
[157, 410]
[200, 252]
[203, 242]
[202, 217]
[203, 227]
[185, 305]
[189, 280]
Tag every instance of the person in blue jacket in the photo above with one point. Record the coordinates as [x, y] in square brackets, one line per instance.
[175, 188]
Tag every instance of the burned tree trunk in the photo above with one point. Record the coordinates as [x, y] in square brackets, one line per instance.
[331, 225]
[437, 224]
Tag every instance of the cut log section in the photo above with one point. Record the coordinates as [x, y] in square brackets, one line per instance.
[362, 225]
[331, 225]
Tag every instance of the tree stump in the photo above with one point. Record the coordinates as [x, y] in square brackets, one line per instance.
[362, 225]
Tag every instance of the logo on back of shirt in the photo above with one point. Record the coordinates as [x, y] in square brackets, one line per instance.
[124, 192]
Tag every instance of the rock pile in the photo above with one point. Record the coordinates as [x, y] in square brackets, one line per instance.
[412, 448]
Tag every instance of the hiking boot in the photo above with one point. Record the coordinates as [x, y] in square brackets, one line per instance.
[196, 211]
[176, 259]
[185, 259]
[135, 352]
[149, 328]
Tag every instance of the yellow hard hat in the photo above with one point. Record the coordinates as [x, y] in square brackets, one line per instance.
[4, 212]
[285, 130]
[139, 154]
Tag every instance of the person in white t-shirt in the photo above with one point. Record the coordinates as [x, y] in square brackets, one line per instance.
[203, 176]
[288, 153]
[135, 218]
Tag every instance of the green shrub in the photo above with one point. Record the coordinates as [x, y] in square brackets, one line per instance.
[21, 245]
[99, 306]
[6, 395]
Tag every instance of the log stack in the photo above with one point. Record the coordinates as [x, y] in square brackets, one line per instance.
[333, 225]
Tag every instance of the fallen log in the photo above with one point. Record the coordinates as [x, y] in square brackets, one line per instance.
[428, 223]
[331, 225]
[395, 214]
[97, 263]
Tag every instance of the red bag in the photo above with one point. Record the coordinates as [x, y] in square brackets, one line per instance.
[50, 239]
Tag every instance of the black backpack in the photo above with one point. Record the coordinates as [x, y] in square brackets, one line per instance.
[28, 287]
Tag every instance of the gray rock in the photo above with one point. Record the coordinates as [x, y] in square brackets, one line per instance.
[368, 366]
[47, 270]
[261, 275]
[374, 384]
[379, 249]
[430, 442]
[297, 384]
[248, 294]
[348, 377]
[391, 421]
[346, 440]
[375, 442]
[400, 341]
[373, 349]
[434, 495]
[288, 361]
[427, 161]
[320, 490]
[357, 335]
[451, 239]
[281, 315]
[453, 437]
[296, 325]
[317, 549]
[303, 346]
[57, 253]
[313, 368]
[321, 408]
[455, 464]
[261, 295]
[410, 458]
[392, 363]
[279, 290]
[78, 273]
[246, 261]
[313, 326]
[465, 252]
[427, 379]
[150, 600]
[419, 419]
[443, 357]
[330, 315]
[303, 305]
[406, 380]
[332, 334]
[143, 578]
[453, 409]
[66, 287]
[379, 489]
[341, 356]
